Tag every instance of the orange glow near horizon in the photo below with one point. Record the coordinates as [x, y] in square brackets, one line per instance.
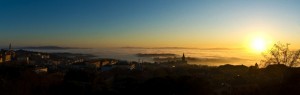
[258, 42]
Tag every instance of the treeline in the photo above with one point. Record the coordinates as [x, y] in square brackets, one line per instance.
[154, 79]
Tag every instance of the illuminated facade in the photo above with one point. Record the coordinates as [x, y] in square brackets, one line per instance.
[7, 55]
[1, 58]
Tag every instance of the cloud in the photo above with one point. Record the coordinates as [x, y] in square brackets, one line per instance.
[156, 55]
[181, 48]
[158, 48]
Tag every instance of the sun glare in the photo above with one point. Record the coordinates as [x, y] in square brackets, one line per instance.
[259, 44]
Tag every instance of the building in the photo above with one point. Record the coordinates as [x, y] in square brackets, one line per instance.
[183, 60]
[7, 55]
[1, 58]
[107, 65]
[169, 60]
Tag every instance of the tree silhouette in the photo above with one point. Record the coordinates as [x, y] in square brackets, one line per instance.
[281, 54]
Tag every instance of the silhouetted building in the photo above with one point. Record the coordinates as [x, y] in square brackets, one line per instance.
[183, 59]
[256, 66]
[169, 60]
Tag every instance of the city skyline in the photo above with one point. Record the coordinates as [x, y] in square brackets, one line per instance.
[134, 23]
[149, 47]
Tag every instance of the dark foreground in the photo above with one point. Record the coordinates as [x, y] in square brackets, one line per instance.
[153, 79]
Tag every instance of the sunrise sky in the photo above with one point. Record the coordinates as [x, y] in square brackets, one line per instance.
[148, 23]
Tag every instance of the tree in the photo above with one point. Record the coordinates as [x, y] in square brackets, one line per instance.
[281, 54]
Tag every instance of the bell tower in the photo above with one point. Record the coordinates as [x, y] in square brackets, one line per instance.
[183, 57]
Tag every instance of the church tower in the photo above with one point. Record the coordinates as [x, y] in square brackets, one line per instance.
[183, 60]
[9, 54]
[183, 57]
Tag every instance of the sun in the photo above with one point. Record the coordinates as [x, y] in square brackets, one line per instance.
[259, 44]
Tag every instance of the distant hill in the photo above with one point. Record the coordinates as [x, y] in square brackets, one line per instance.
[51, 47]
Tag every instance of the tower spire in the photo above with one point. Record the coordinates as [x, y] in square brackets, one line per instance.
[183, 57]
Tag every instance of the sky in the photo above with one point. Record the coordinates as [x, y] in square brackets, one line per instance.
[148, 23]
